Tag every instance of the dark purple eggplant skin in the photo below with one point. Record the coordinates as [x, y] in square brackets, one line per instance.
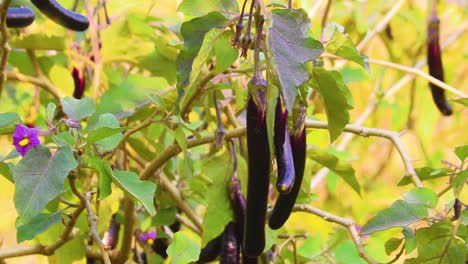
[258, 169]
[434, 61]
[79, 81]
[230, 250]
[285, 202]
[284, 159]
[238, 205]
[160, 246]
[62, 16]
[212, 249]
[18, 17]
[111, 236]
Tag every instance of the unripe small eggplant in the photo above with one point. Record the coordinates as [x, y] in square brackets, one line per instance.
[258, 169]
[212, 250]
[285, 202]
[284, 159]
[111, 236]
[434, 60]
[18, 17]
[230, 250]
[79, 81]
[62, 16]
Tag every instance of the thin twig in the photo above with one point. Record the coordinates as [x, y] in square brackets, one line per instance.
[95, 41]
[220, 130]
[325, 14]
[92, 220]
[129, 224]
[41, 82]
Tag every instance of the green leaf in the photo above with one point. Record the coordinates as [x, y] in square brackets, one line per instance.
[437, 245]
[8, 122]
[392, 244]
[180, 137]
[462, 101]
[462, 152]
[61, 78]
[5, 170]
[109, 142]
[335, 98]
[77, 109]
[194, 32]
[64, 139]
[37, 41]
[202, 7]
[38, 224]
[340, 167]
[341, 45]
[225, 54]
[410, 240]
[459, 182]
[104, 170]
[426, 173]
[102, 133]
[464, 216]
[291, 49]
[39, 178]
[311, 247]
[143, 191]
[219, 211]
[165, 216]
[422, 195]
[400, 214]
[183, 250]
[50, 112]
[346, 252]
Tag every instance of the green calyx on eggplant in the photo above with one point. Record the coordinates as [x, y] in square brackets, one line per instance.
[285, 202]
[284, 158]
[434, 60]
[18, 17]
[62, 16]
[258, 168]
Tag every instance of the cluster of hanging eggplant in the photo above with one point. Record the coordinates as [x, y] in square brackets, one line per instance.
[18, 17]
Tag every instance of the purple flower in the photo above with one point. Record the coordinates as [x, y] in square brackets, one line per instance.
[148, 237]
[24, 138]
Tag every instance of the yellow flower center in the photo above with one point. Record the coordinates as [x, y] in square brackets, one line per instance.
[24, 142]
[150, 241]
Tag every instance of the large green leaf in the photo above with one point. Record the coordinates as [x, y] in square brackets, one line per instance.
[291, 49]
[8, 122]
[437, 245]
[38, 224]
[77, 109]
[39, 178]
[340, 167]
[336, 100]
[109, 142]
[194, 32]
[5, 170]
[422, 195]
[183, 250]
[202, 7]
[143, 191]
[340, 44]
[219, 211]
[102, 133]
[400, 214]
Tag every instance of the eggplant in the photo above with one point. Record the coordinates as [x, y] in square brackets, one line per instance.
[285, 202]
[284, 159]
[434, 60]
[18, 17]
[230, 250]
[111, 236]
[62, 16]
[79, 81]
[212, 250]
[258, 169]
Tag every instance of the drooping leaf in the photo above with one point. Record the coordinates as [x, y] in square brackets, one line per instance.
[335, 98]
[103, 169]
[219, 211]
[110, 142]
[202, 7]
[340, 44]
[422, 195]
[77, 109]
[39, 178]
[37, 225]
[340, 167]
[400, 214]
[143, 191]
[437, 245]
[183, 250]
[8, 122]
[462, 152]
[194, 32]
[291, 49]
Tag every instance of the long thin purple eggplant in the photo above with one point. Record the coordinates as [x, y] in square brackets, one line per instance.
[434, 60]
[18, 17]
[285, 202]
[230, 250]
[284, 158]
[212, 250]
[79, 81]
[259, 169]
